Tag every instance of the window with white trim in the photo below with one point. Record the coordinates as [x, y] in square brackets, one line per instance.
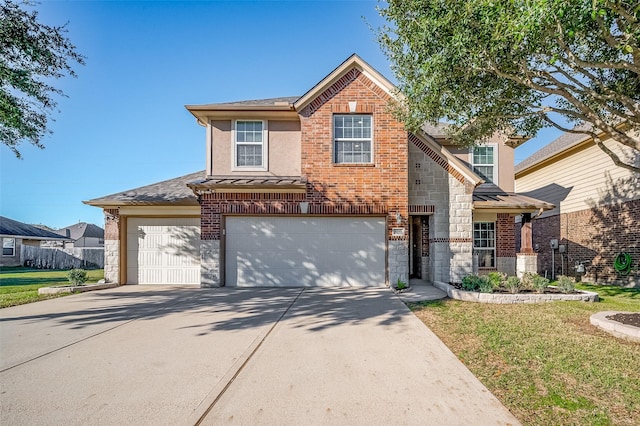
[249, 145]
[8, 246]
[484, 243]
[483, 160]
[352, 139]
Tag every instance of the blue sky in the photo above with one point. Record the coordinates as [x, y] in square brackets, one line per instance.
[124, 124]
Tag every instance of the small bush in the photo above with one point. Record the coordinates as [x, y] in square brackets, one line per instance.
[77, 276]
[471, 283]
[497, 278]
[401, 285]
[485, 285]
[566, 284]
[527, 280]
[539, 284]
[513, 284]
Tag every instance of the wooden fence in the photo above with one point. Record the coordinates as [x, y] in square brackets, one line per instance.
[58, 258]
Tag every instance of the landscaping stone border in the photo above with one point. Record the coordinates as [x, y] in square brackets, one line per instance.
[76, 289]
[615, 328]
[502, 298]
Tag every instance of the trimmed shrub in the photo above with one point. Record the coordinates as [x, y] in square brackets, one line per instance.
[566, 284]
[527, 280]
[485, 285]
[471, 283]
[513, 285]
[497, 278]
[77, 276]
[539, 283]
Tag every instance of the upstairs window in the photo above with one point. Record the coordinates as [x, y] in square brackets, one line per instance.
[249, 140]
[484, 162]
[8, 247]
[352, 139]
[484, 243]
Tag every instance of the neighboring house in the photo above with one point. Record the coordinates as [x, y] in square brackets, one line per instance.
[83, 235]
[597, 214]
[14, 234]
[323, 189]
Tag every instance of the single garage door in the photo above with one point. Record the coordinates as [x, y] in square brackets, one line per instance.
[163, 251]
[303, 252]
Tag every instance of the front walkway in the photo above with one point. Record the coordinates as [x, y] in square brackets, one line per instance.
[288, 356]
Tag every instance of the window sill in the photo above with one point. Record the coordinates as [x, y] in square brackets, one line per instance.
[354, 165]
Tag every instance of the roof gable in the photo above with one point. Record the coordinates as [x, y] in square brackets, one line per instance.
[354, 62]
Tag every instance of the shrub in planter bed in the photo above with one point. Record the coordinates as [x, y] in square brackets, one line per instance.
[539, 283]
[471, 283]
[566, 284]
[497, 278]
[513, 284]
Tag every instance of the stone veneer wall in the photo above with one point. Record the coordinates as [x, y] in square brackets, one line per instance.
[432, 183]
[112, 246]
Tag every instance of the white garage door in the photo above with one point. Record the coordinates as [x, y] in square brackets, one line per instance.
[304, 252]
[163, 251]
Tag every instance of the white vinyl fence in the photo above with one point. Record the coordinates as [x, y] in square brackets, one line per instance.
[58, 258]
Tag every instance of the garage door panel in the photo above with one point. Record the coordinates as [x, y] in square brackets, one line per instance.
[319, 251]
[163, 251]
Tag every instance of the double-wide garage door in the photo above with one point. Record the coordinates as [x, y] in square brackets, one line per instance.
[163, 251]
[303, 252]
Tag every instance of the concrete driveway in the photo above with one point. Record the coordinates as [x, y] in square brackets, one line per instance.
[149, 355]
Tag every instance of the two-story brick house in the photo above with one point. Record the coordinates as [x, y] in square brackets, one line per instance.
[326, 189]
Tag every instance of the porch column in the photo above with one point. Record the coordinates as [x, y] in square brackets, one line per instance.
[527, 259]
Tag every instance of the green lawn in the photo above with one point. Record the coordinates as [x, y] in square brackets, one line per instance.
[546, 362]
[20, 285]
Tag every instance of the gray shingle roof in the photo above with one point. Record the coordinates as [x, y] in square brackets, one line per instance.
[256, 102]
[82, 229]
[10, 227]
[168, 192]
[562, 143]
[437, 131]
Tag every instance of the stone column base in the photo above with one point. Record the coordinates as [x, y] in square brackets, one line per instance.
[210, 263]
[526, 262]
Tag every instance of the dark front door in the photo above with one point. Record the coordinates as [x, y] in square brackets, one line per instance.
[416, 247]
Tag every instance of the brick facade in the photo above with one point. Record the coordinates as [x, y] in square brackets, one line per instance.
[383, 183]
[377, 189]
[596, 235]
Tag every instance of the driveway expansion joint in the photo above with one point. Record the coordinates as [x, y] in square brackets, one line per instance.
[246, 361]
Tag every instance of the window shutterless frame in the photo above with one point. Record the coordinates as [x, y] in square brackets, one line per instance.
[352, 139]
[484, 243]
[484, 161]
[8, 246]
[250, 150]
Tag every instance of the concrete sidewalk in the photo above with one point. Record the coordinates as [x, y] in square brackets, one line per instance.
[148, 355]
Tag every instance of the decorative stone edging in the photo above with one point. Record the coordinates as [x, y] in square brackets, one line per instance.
[76, 289]
[615, 328]
[504, 298]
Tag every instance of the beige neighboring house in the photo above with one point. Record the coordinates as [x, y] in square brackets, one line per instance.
[597, 213]
[83, 235]
[15, 234]
[322, 189]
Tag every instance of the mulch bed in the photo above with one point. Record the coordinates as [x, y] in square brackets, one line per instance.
[627, 319]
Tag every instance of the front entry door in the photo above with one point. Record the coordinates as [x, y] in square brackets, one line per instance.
[416, 247]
